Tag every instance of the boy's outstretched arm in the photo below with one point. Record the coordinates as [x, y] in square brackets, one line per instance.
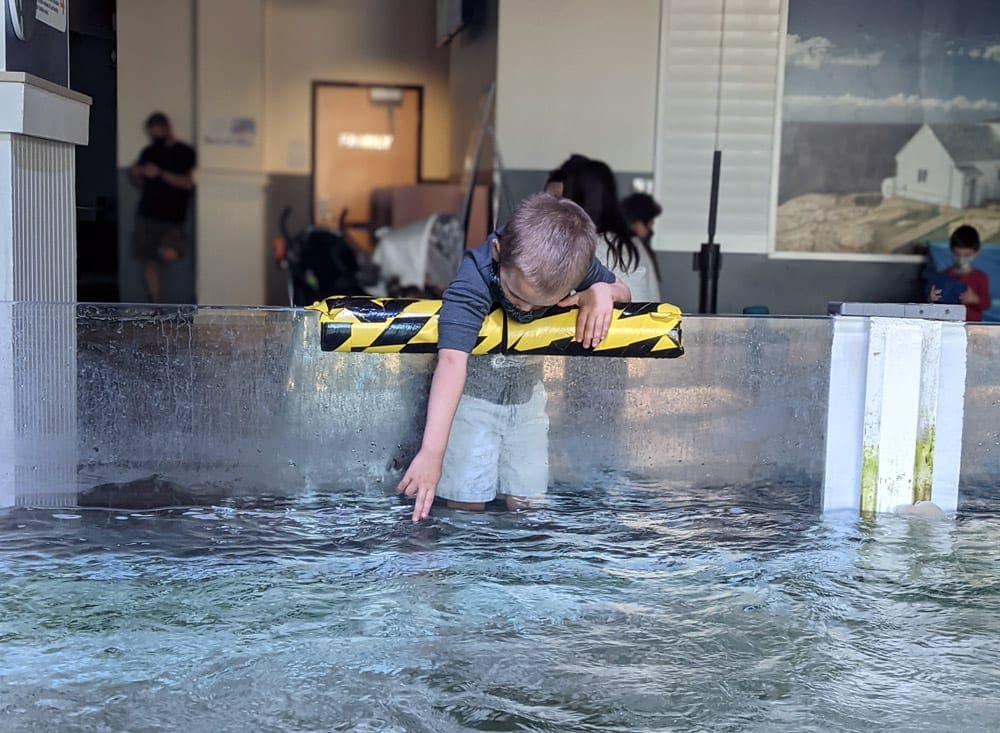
[596, 304]
[421, 478]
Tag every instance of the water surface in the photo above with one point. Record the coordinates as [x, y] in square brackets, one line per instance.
[619, 608]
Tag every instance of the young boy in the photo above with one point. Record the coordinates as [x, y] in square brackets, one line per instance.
[542, 258]
[964, 245]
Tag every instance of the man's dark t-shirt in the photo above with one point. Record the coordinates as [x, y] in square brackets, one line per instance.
[160, 200]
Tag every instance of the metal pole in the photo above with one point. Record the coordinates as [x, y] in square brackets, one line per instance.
[708, 261]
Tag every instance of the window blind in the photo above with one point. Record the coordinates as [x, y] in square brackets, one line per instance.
[744, 39]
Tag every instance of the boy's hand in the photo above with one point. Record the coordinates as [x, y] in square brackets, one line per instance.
[935, 295]
[596, 304]
[969, 297]
[421, 479]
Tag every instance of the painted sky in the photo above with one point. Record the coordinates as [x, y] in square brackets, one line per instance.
[901, 61]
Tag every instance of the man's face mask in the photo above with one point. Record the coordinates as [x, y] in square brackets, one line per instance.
[157, 135]
[509, 308]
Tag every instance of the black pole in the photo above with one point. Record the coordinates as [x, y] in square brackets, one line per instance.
[708, 261]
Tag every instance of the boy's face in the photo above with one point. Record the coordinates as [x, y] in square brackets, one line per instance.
[521, 299]
[963, 257]
[524, 296]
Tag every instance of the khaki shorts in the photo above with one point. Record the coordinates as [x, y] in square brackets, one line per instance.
[149, 235]
[497, 449]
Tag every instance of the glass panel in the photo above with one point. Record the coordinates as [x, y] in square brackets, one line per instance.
[981, 433]
[242, 401]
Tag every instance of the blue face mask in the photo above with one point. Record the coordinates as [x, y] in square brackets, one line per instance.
[509, 308]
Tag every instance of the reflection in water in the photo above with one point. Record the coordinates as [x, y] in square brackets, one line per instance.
[619, 607]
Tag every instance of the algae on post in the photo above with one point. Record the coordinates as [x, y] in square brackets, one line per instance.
[869, 479]
[923, 470]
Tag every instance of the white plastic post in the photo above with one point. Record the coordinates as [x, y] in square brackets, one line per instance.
[889, 434]
[896, 405]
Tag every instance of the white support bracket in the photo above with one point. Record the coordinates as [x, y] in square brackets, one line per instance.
[896, 406]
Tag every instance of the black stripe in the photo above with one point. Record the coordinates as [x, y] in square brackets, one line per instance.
[504, 337]
[334, 335]
[400, 331]
[569, 347]
[367, 310]
[631, 310]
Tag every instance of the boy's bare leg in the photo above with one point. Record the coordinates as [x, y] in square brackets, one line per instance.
[466, 506]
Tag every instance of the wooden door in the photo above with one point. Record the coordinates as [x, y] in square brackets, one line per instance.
[364, 137]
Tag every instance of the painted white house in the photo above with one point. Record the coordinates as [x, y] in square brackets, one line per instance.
[955, 165]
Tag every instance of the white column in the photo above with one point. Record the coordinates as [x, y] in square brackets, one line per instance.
[896, 404]
[40, 125]
[231, 238]
[231, 193]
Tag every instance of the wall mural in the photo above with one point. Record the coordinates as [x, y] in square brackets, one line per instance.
[891, 124]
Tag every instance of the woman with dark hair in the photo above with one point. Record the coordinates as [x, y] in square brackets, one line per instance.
[591, 185]
[557, 176]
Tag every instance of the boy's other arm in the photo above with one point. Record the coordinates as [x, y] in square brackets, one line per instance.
[596, 305]
[977, 294]
[422, 477]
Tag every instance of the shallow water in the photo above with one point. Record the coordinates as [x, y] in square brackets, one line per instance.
[625, 609]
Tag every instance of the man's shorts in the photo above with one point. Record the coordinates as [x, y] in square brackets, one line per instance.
[497, 449]
[149, 235]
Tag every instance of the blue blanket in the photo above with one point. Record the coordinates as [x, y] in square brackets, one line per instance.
[988, 261]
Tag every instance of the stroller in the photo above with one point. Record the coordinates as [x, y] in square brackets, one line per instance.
[414, 261]
[320, 261]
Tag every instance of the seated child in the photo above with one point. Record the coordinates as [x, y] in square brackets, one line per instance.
[497, 423]
[975, 295]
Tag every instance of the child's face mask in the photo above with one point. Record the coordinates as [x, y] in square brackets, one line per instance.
[509, 308]
[964, 262]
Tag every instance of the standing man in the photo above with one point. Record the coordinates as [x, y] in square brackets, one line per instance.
[163, 172]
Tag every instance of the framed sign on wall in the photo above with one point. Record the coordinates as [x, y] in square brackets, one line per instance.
[890, 125]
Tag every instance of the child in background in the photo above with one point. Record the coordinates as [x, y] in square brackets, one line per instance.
[964, 245]
[592, 186]
[488, 439]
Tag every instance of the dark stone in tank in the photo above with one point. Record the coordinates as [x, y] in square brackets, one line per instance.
[152, 492]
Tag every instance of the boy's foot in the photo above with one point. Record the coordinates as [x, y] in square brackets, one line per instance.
[518, 502]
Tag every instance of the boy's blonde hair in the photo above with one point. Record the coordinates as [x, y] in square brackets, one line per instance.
[551, 241]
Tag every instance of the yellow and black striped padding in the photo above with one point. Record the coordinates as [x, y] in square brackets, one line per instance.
[393, 326]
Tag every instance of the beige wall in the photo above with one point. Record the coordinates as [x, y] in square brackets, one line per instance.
[155, 70]
[375, 41]
[232, 251]
[577, 76]
[230, 77]
[472, 68]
